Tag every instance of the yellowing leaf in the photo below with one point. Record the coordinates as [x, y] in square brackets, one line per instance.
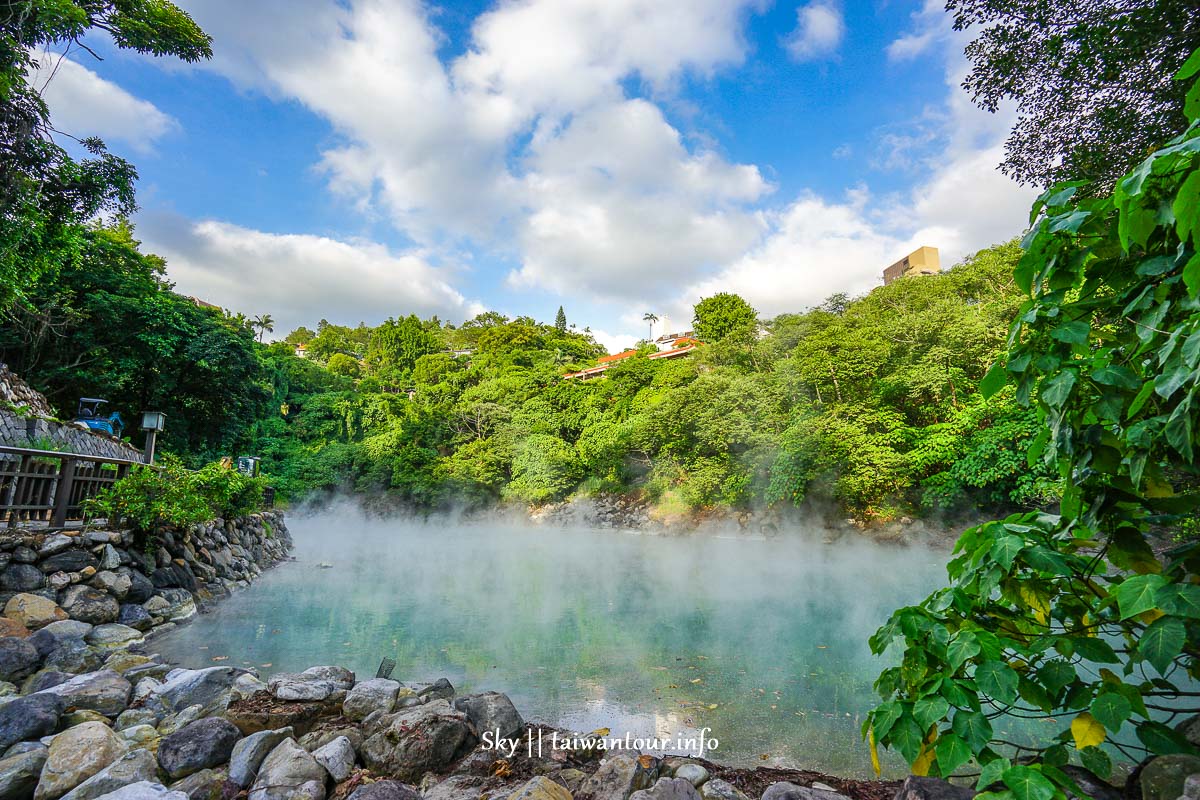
[874, 752]
[924, 761]
[1151, 615]
[601, 732]
[694, 680]
[1037, 602]
[1087, 731]
[712, 706]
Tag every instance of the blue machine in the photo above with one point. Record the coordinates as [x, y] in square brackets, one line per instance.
[89, 415]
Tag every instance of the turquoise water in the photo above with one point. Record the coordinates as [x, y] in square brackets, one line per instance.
[763, 642]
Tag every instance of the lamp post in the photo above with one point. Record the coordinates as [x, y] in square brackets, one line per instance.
[152, 423]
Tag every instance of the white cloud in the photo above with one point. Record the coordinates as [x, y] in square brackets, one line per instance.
[83, 104]
[819, 31]
[293, 276]
[929, 30]
[615, 342]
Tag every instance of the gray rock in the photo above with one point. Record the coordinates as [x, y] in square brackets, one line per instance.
[75, 755]
[340, 677]
[135, 766]
[417, 740]
[74, 656]
[44, 679]
[135, 617]
[113, 635]
[376, 694]
[924, 788]
[21, 578]
[18, 659]
[694, 774]
[384, 790]
[717, 789]
[176, 722]
[141, 588]
[19, 773]
[1163, 777]
[144, 790]
[29, 717]
[541, 788]
[288, 773]
[103, 691]
[618, 777]
[180, 604]
[441, 689]
[55, 543]
[199, 745]
[55, 634]
[208, 688]
[1097, 789]
[88, 604]
[491, 711]
[790, 791]
[68, 561]
[207, 784]
[337, 758]
[288, 686]
[315, 740]
[669, 789]
[248, 754]
[110, 559]
[114, 583]
[132, 717]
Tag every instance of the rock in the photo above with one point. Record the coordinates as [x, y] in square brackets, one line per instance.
[208, 688]
[247, 686]
[29, 717]
[1163, 777]
[10, 627]
[286, 686]
[922, 788]
[123, 661]
[110, 559]
[201, 744]
[337, 758]
[376, 694]
[384, 790]
[73, 656]
[790, 791]
[180, 720]
[33, 611]
[340, 677]
[113, 635]
[135, 617]
[540, 788]
[87, 604]
[104, 691]
[207, 784]
[180, 604]
[75, 755]
[717, 789]
[669, 789]
[135, 716]
[416, 740]
[619, 777]
[315, 740]
[286, 774]
[490, 711]
[438, 690]
[68, 561]
[55, 543]
[21, 578]
[19, 773]
[144, 790]
[80, 716]
[141, 736]
[264, 713]
[18, 659]
[141, 588]
[248, 754]
[134, 766]
[1092, 786]
[456, 787]
[112, 582]
[55, 634]
[694, 774]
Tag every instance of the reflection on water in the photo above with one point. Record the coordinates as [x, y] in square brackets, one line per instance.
[763, 642]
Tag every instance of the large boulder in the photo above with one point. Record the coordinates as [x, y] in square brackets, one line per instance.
[135, 617]
[207, 687]
[19, 773]
[916, 787]
[90, 605]
[376, 694]
[55, 634]
[141, 588]
[199, 745]
[337, 757]
[68, 561]
[134, 766]
[248, 754]
[693, 773]
[75, 755]
[340, 677]
[1163, 777]
[491, 711]
[18, 659]
[114, 583]
[21, 578]
[73, 656]
[540, 788]
[103, 691]
[618, 777]
[384, 790]
[309, 688]
[289, 772]
[717, 789]
[207, 784]
[113, 636]
[145, 790]
[33, 611]
[417, 740]
[669, 789]
[29, 717]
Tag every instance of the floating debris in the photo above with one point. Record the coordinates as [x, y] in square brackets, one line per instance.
[325, 565]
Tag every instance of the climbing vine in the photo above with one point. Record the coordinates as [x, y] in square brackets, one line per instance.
[1075, 617]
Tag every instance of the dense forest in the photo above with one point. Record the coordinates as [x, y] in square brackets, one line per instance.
[870, 404]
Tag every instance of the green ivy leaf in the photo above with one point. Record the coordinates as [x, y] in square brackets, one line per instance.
[906, 736]
[1095, 650]
[1137, 594]
[1005, 549]
[993, 381]
[1074, 332]
[1162, 642]
[1055, 391]
[1111, 710]
[885, 717]
[929, 710]
[1028, 783]
[997, 680]
[952, 752]
[963, 646]
[974, 728]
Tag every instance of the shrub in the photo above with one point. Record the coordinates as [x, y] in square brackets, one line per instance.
[228, 492]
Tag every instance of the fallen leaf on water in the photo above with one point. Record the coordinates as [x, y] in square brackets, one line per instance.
[822, 647]
[712, 706]
[601, 732]
[266, 664]
[696, 680]
[703, 658]
[202, 647]
[764, 756]
[662, 669]
[220, 658]
[774, 707]
[672, 685]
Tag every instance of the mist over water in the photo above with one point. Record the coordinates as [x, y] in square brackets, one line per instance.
[761, 641]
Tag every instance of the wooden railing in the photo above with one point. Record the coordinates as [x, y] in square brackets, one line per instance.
[49, 487]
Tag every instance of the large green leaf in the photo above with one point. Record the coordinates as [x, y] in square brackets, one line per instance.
[906, 736]
[952, 752]
[1138, 593]
[997, 680]
[1111, 710]
[1180, 599]
[886, 715]
[1162, 642]
[1028, 783]
[974, 728]
[963, 645]
[1005, 549]
[929, 710]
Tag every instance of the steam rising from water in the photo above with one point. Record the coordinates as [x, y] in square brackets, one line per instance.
[762, 641]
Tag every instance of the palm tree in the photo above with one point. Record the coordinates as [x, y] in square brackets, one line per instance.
[652, 318]
[265, 323]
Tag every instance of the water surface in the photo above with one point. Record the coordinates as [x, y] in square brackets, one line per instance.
[761, 641]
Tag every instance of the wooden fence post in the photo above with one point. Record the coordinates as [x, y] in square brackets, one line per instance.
[62, 492]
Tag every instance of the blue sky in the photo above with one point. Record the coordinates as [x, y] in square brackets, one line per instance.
[369, 158]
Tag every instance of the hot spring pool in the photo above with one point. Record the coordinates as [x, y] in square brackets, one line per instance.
[762, 642]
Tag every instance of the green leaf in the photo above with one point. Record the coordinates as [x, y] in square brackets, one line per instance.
[1096, 761]
[1054, 392]
[993, 381]
[1121, 377]
[997, 680]
[906, 736]
[962, 646]
[1111, 710]
[1056, 675]
[1161, 740]
[1094, 650]
[1190, 67]
[1162, 642]
[992, 772]
[1005, 549]
[1137, 594]
[929, 710]
[1180, 599]
[1191, 275]
[1074, 332]
[973, 727]
[1028, 783]
[952, 753]
[885, 717]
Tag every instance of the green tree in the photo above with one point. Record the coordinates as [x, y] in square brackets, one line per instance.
[301, 335]
[344, 365]
[397, 344]
[560, 320]
[263, 323]
[723, 316]
[650, 318]
[1091, 81]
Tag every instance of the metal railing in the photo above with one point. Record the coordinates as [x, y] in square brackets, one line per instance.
[50, 487]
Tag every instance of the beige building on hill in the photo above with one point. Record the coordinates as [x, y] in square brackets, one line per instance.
[922, 261]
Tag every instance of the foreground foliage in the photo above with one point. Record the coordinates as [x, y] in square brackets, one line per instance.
[1074, 617]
